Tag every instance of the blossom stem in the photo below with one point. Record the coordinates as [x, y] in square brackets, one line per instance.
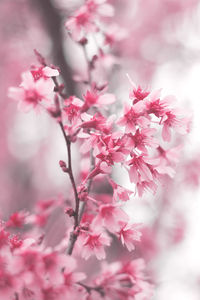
[70, 173]
[89, 184]
[73, 236]
[78, 214]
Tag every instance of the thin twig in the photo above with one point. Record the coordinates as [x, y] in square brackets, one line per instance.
[78, 212]
[89, 184]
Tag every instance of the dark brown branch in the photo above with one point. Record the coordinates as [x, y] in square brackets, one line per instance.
[70, 173]
[74, 234]
[53, 22]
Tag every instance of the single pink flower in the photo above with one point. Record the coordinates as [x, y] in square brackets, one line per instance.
[17, 219]
[119, 192]
[94, 244]
[142, 139]
[172, 119]
[31, 92]
[138, 94]
[100, 8]
[133, 116]
[93, 98]
[157, 106]
[110, 216]
[140, 168]
[80, 23]
[146, 186]
[128, 234]
[72, 108]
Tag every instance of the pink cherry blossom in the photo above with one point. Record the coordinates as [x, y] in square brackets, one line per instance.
[110, 216]
[17, 219]
[133, 116]
[98, 122]
[114, 34]
[119, 192]
[172, 120]
[53, 254]
[72, 108]
[80, 23]
[142, 139]
[93, 244]
[70, 274]
[138, 94]
[128, 234]
[43, 72]
[31, 93]
[140, 166]
[144, 186]
[100, 7]
[92, 98]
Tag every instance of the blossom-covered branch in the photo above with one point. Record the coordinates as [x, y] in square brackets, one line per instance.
[138, 139]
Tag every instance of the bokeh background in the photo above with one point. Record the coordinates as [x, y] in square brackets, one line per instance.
[161, 49]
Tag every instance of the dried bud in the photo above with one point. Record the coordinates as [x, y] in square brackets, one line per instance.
[69, 211]
[85, 227]
[62, 164]
[65, 170]
[55, 113]
[83, 41]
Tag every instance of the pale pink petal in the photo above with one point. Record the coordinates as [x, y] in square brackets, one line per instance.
[106, 10]
[130, 127]
[142, 121]
[16, 93]
[25, 107]
[145, 172]
[44, 87]
[105, 168]
[77, 102]
[138, 107]
[27, 81]
[106, 99]
[133, 174]
[118, 156]
[49, 72]
[166, 133]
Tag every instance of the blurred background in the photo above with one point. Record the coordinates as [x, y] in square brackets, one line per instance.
[160, 49]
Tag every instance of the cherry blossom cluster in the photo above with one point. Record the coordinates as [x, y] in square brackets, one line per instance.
[30, 270]
[138, 139]
[87, 18]
[131, 140]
